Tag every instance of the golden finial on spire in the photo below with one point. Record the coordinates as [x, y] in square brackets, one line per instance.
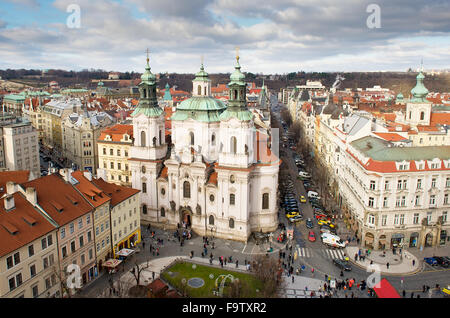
[148, 52]
[237, 53]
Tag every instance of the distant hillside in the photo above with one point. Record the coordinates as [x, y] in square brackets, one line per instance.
[398, 81]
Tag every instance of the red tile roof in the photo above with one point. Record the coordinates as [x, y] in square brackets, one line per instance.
[390, 136]
[54, 193]
[115, 192]
[116, 132]
[14, 176]
[18, 221]
[91, 193]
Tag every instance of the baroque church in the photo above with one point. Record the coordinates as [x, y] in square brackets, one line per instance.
[219, 176]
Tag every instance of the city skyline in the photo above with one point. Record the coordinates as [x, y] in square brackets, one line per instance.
[274, 38]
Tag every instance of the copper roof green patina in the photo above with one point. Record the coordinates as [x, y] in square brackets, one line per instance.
[167, 95]
[419, 92]
[382, 150]
[201, 76]
[200, 108]
[148, 103]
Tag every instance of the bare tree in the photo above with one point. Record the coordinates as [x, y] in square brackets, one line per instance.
[268, 270]
[137, 270]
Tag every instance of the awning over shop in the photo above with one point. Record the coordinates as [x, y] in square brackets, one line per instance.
[112, 263]
[125, 252]
[385, 290]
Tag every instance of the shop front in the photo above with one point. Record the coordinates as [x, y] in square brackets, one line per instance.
[397, 240]
[414, 239]
[443, 237]
[129, 242]
[382, 242]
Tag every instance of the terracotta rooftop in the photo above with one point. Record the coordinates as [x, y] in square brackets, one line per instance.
[56, 197]
[115, 192]
[390, 136]
[91, 193]
[14, 176]
[20, 225]
[116, 132]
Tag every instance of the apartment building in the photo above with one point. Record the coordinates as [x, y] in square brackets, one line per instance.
[53, 114]
[28, 253]
[113, 151]
[396, 196]
[79, 138]
[124, 214]
[82, 181]
[73, 215]
[19, 145]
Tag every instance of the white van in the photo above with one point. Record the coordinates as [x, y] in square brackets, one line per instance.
[332, 240]
[304, 174]
[313, 194]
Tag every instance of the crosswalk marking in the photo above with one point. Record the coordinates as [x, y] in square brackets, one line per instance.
[328, 253]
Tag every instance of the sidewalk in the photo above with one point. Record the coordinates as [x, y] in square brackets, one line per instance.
[398, 264]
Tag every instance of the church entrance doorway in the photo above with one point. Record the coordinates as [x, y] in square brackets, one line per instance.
[186, 219]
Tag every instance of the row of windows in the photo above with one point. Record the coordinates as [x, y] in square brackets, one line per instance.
[72, 226]
[13, 260]
[399, 219]
[73, 244]
[403, 184]
[111, 165]
[401, 201]
[111, 152]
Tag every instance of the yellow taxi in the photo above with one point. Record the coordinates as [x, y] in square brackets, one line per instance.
[325, 222]
[291, 214]
[302, 199]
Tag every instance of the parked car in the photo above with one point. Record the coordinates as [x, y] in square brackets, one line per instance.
[311, 236]
[441, 261]
[431, 261]
[292, 214]
[304, 174]
[342, 264]
[309, 223]
[313, 194]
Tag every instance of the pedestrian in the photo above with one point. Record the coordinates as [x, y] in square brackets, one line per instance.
[143, 244]
[157, 251]
[326, 277]
[212, 245]
[356, 257]
[412, 295]
[153, 275]
[342, 274]
[387, 265]
[424, 288]
[404, 293]
[293, 279]
[237, 263]
[312, 271]
[413, 262]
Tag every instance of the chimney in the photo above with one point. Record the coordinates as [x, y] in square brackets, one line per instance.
[31, 195]
[65, 173]
[10, 187]
[87, 175]
[9, 202]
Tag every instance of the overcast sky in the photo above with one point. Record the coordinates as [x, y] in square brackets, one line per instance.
[274, 36]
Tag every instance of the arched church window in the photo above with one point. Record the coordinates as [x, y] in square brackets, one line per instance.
[160, 138]
[422, 115]
[144, 209]
[163, 212]
[231, 223]
[199, 90]
[232, 199]
[145, 93]
[142, 138]
[191, 135]
[265, 201]
[205, 91]
[186, 189]
[233, 145]
[213, 139]
[211, 220]
[235, 94]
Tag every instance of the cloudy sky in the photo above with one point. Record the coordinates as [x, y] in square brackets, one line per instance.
[274, 36]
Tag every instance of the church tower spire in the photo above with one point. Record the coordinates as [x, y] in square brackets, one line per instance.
[148, 102]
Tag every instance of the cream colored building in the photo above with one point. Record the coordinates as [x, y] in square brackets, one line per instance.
[113, 151]
[53, 114]
[125, 217]
[20, 150]
[79, 138]
[29, 251]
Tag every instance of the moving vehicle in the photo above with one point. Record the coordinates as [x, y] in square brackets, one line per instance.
[309, 223]
[332, 240]
[302, 199]
[342, 264]
[313, 194]
[326, 222]
[304, 174]
[327, 229]
[292, 214]
[296, 218]
[311, 236]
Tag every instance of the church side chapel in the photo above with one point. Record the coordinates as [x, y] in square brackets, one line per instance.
[219, 176]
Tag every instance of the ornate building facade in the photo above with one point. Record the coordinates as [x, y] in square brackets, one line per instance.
[219, 176]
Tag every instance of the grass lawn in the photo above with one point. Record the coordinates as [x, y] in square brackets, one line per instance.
[184, 270]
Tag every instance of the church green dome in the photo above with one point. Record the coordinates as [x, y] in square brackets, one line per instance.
[148, 77]
[419, 92]
[201, 75]
[200, 108]
[237, 77]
